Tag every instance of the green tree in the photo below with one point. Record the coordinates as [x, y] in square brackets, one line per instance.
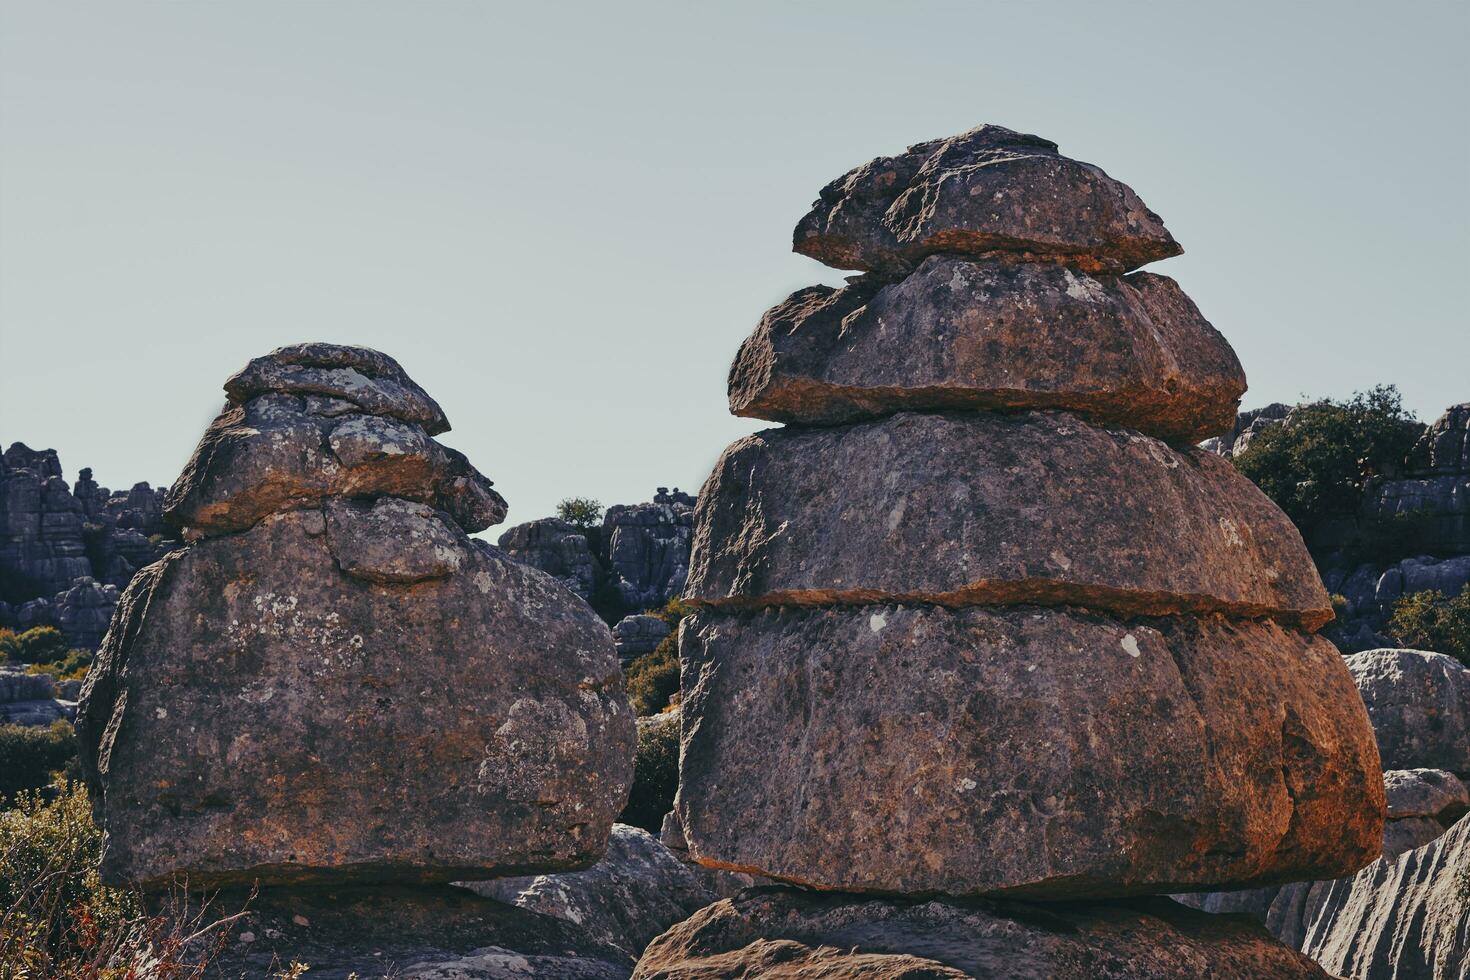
[583, 513]
[40, 645]
[1429, 621]
[655, 773]
[1315, 464]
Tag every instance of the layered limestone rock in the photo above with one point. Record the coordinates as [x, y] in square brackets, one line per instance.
[1401, 917]
[638, 889]
[364, 431]
[981, 622]
[994, 335]
[347, 687]
[987, 191]
[1043, 752]
[960, 509]
[781, 934]
[1419, 703]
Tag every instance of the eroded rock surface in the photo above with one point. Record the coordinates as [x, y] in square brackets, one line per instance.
[420, 729]
[781, 934]
[635, 892]
[1419, 703]
[273, 453]
[347, 688]
[1400, 918]
[992, 335]
[985, 191]
[1045, 752]
[438, 933]
[962, 509]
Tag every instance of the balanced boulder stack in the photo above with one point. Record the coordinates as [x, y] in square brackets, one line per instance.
[333, 683]
[980, 620]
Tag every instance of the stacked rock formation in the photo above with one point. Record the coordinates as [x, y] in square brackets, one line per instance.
[980, 620]
[332, 683]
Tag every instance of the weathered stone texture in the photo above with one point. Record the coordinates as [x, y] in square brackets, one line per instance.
[780, 934]
[1051, 753]
[1419, 704]
[272, 454]
[1400, 918]
[638, 889]
[558, 549]
[964, 509]
[409, 933]
[992, 335]
[263, 709]
[986, 191]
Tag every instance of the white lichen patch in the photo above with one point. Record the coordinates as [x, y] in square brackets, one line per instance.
[876, 622]
[1084, 288]
[1231, 532]
[1129, 643]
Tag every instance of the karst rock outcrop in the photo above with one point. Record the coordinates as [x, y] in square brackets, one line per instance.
[981, 621]
[332, 683]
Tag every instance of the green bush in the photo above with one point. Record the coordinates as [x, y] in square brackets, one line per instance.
[72, 667]
[1315, 465]
[42, 644]
[58, 908]
[30, 757]
[1429, 621]
[583, 513]
[653, 679]
[57, 919]
[655, 773]
[1388, 540]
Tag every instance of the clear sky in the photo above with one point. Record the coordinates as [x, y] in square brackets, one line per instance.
[563, 218]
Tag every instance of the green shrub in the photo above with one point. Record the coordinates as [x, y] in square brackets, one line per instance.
[30, 757]
[583, 513]
[1429, 621]
[72, 667]
[41, 644]
[1315, 465]
[1388, 540]
[57, 919]
[655, 773]
[653, 679]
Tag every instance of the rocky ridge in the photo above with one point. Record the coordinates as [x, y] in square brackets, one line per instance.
[1075, 721]
[66, 551]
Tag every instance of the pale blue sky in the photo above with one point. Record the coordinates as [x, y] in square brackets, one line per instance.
[564, 218]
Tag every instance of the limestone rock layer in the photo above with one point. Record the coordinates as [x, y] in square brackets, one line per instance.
[980, 620]
[959, 333]
[1050, 753]
[969, 508]
[347, 688]
[990, 190]
[781, 934]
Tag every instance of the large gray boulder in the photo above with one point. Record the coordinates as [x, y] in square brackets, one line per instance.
[994, 335]
[781, 934]
[635, 892]
[1400, 918]
[647, 550]
[350, 689]
[1419, 703]
[984, 192]
[558, 549]
[1039, 752]
[960, 509]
